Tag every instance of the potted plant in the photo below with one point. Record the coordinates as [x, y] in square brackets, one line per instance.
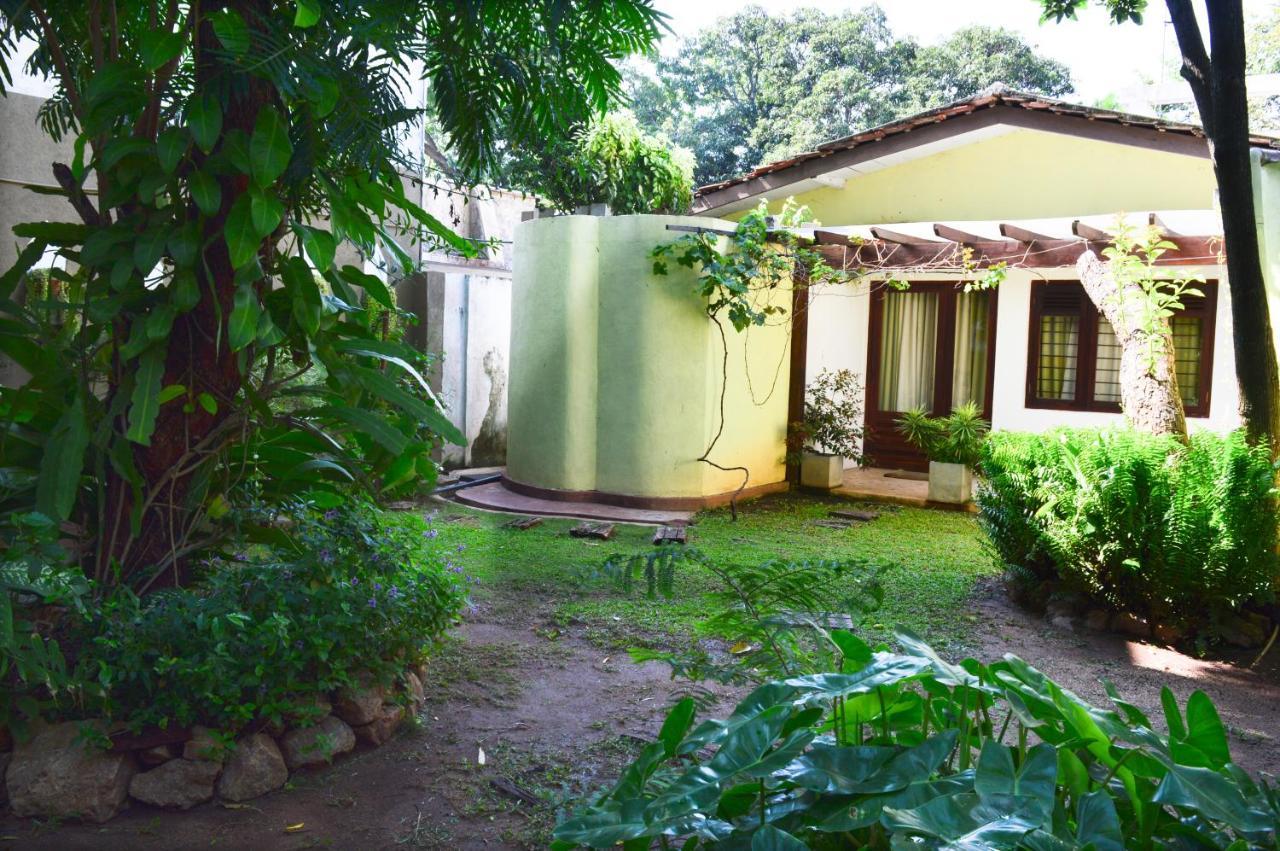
[953, 444]
[831, 430]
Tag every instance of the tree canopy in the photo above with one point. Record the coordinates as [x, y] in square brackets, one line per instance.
[757, 87]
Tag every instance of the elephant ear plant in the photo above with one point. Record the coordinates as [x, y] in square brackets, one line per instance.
[910, 751]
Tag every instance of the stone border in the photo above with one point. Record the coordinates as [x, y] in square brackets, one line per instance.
[63, 772]
[1245, 629]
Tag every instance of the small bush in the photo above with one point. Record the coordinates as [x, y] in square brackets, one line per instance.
[261, 635]
[1181, 534]
[954, 439]
[832, 415]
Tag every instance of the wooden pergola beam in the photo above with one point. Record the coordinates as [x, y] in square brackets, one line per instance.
[953, 234]
[842, 252]
[1021, 234]
[1089, 232]
[900, 238]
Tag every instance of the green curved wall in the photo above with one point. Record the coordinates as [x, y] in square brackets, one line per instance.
[615, 372]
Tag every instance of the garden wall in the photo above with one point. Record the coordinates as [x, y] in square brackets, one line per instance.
[616, 372]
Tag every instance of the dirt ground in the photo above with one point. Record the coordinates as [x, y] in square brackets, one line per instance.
[525, 717]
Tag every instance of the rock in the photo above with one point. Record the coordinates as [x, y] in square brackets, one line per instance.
[255, 767]
[1130, 624]
[180, 783]
[1066, 623]
[1097, 619]
[153, 756]
[56, 774]
[319, 744]
[309, 710]
[1166, 633]
[1064, 604]
[380, 730]
[359, 705]
[1245, 629]
[206, 745]
[417, 694]
[421, 670]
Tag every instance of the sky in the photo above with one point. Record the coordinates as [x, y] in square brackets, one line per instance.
[1104, 58]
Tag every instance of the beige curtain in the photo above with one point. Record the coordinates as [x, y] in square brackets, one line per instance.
[1059, 347]
[969, 372]
[908, 345]
[1106, 376]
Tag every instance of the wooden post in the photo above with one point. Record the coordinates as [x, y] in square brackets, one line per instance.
[799, 359]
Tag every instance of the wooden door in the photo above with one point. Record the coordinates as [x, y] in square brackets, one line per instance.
[930, 346]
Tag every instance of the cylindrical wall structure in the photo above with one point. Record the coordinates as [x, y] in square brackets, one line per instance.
[616, 373]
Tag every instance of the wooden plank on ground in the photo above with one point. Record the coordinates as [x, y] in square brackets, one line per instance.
[599, 531]
[522, 523]
[670, 535]
[831, 524]
[853, 514]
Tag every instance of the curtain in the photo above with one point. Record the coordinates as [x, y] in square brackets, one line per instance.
[1106, 381]
[1059, 344]
[1186, 357]
[969, 372]
[908, 345]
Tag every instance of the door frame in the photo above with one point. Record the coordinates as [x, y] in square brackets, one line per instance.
[883, 445]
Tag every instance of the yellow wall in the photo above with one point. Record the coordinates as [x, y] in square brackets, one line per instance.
[616, 372]
[1019, 175]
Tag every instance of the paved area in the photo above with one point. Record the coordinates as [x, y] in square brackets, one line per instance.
[494, 497]
[897, 486]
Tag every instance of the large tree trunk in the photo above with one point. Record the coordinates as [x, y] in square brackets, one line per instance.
[1149, 393]
[1218, 84]
[199, 357]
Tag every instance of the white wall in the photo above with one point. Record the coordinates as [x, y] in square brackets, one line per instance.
[1008, 406]
[838, 326]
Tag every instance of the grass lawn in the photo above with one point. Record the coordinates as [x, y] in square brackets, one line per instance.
[933, 559]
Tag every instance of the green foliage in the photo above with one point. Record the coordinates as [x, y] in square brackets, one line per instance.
[737, 273]
[832, 415]
[910, 751]
[1140, 523]
[1120, 11]
[339, 594]
[235, 149]
[954, 439]
[1132, 257]
[756, 87]
[657, 566]
[784, 618]
[610, 161]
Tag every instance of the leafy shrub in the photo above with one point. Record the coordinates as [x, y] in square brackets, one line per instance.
[910, 751]
[340, 595]
[1182, 534]
[954, 439]
[611, 161]
[832, 415]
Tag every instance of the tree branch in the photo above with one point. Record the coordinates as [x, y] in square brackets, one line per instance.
[1195, 59]
[76, 195]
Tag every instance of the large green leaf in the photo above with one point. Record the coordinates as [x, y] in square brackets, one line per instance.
[304, 295]
[676, 726]
[370, 424]
[205, 192]
[319, 245]
[204, 120]
[307, 15]
[27, 258]
[266, 211]
[371, 284]
[770, 838]
[243, 239]
[157, 47]
[269, 148]
[242, 328]
[967, 821]
[1036, 778]
[144, 404]
[231, 30]
[62, 462]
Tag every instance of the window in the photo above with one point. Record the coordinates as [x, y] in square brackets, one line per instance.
[1074, 356]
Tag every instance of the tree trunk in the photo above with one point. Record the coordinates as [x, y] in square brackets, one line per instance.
[1218, 85]
[199, 357]
[1149, 393]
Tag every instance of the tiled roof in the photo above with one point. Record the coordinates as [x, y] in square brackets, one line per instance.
[996, 96]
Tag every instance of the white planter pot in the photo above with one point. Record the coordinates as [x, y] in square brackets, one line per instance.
[950, 483]
[821, 471]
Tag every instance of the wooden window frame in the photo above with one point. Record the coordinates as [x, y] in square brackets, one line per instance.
[1087, 348]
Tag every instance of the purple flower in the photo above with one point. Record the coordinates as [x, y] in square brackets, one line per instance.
[331, 514]
[393, 592]
[377, 586]
[326, 557]
[462, 547]
[355, 580]
[373, 604]
[430, 533]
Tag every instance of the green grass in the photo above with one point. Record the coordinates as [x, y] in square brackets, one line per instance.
[933, 559]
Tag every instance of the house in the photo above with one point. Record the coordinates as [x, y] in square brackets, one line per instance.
[1020, 179]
